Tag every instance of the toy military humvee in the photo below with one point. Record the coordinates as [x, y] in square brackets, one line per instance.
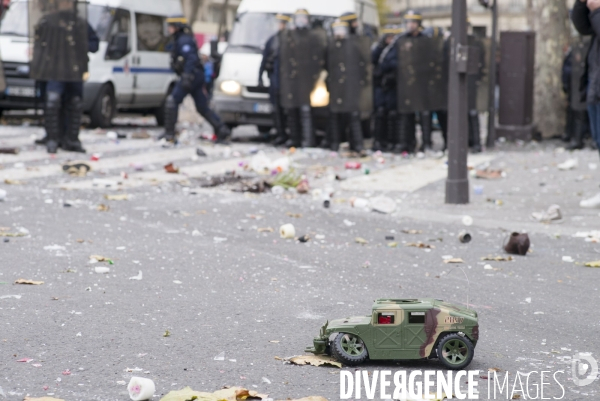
[403, 329]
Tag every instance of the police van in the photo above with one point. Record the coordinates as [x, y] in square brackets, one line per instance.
[129, 73]
[237, 97]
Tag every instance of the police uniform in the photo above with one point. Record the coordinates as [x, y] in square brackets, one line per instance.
[299, 115]
[407, 141]
[63, 108]
[425, 118]
[349, 119]
[270, 64]
[186, 63]
[384, 101]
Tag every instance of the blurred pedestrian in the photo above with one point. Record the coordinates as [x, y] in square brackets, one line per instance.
[349, 85]
[586, 18]
[186, 63]
[62, 33]
[407, 141]
[384, 92]
[270, 64]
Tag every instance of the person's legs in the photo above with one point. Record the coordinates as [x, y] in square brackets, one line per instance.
[52, 112]
[594, 114]
[221, 130]
[72, 120]
[172, 111]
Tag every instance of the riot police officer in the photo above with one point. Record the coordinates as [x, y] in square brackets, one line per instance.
[302, 59]
[270, 64]
[427, 116]
[186, 63]
[407, 140]
[385, 63]
[61, 33]
[349, 83]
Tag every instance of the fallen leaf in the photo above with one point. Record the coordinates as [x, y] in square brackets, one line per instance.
[294, 215]
[13, 182]
[12, 235]
[171, 169]
[117, 197]
[81, 241]
[454, 260]
[103, 208]
[420, 245]
[516, 397]
[42, 399]
[274, 342]
[593, 264]
[498, 258]
[266, 230]
[494, 370]
[315, 360]
[102, 259]
[29, 282]
[413, 232]
[361, 241]
[392, 244]
[167, 334]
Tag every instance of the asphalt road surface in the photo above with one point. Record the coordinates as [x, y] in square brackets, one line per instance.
[217, 283]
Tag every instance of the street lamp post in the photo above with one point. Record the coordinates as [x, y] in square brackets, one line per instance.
[457, 184]
[491, 136]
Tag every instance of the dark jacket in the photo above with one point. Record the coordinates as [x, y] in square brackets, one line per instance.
[567, 71]
[93, 40]
[184, 54]
[588, 24]
[270, 60]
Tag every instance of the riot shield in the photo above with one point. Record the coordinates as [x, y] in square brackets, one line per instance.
[482, 79]
[580, 50]
[59, 35]
[422, 75]
[302, 58]
[350, 79]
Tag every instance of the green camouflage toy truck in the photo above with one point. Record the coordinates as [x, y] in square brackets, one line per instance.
[403, 329]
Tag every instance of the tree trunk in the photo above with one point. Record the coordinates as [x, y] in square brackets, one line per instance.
[553, 35]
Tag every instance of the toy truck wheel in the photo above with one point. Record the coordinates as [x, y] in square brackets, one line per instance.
[349, 349]
[455, 351]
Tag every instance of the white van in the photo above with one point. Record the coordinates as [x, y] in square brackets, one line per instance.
[237, 97]
[130, 72]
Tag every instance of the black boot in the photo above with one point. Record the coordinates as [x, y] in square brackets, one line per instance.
[308, 135]
[380, 134]
[570, 127]
[443, 119]
[41, 141]
[426, 128]
[578, 130]
[406, 128]
[474, 132]
[222, 131]
[293, 120]
[278, 117]
[171, 113]
[356, 135]
[334, 132]
[73, 114]
[411, 129]
[52, 121]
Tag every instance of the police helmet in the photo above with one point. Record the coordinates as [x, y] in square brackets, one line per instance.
[412, 15]
[341, 29]
[349, 17]
[391, 30]
[302, 19]
[283, 18]
[178, 21]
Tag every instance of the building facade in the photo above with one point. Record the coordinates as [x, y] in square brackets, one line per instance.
[513, 13]
[206, 15]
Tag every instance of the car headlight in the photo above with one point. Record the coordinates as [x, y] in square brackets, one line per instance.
[231, 88]
[319, 97]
